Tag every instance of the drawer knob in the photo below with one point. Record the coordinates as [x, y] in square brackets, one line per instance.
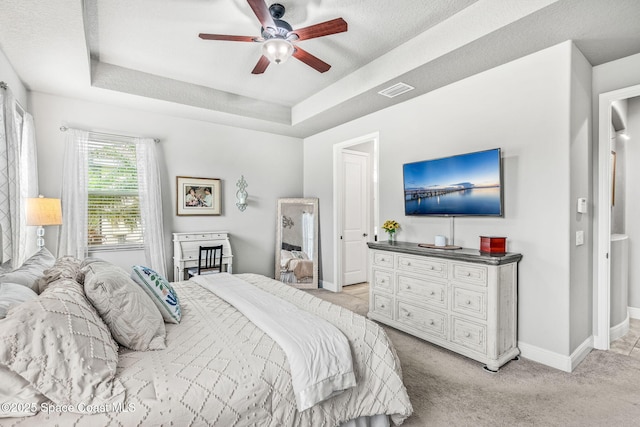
[432, 293]
[467, 334]
[381, 305]
[408, 287]
[430, 267]
[467, 274]
[382, 259]
[468, 302]
[431, 322]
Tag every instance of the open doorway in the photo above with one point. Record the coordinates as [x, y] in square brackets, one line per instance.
[605, 180]
[355, 201]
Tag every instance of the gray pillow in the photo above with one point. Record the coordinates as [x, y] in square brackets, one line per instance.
[131, 315]
[32, 269]
[12, 294]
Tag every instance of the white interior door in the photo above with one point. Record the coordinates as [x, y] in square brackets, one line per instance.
[356, 207]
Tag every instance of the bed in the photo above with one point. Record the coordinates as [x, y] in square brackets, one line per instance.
[220, 369]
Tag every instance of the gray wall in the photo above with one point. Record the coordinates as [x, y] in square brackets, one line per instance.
[581, 291]
[632, 151]
[271, 165]
[522, 107]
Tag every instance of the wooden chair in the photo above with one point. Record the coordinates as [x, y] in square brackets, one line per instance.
[209, 261]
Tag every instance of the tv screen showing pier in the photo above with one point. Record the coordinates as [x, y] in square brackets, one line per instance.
[466, 184]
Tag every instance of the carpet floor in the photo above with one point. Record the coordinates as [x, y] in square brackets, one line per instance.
[447, 389]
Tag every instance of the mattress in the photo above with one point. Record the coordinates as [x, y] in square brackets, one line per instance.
[219, 369]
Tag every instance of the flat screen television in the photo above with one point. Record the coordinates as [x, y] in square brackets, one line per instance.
[463, 185]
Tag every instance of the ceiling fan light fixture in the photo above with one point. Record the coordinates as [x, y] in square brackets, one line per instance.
[277, 50]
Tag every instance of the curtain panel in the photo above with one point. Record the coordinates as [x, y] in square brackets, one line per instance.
[150, 196]
[18, 179]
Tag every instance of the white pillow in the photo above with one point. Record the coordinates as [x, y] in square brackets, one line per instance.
[160, 291]
[31, 271]
[60, 345]
[23, 400]
[132, 317]
[12, 294]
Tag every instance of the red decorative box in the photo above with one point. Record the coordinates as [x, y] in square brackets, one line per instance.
[493, 245]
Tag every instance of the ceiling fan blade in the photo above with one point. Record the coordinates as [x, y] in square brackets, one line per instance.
[262, 65]
[226, 37]
[311, 60]
[261, 10]
[334, 26]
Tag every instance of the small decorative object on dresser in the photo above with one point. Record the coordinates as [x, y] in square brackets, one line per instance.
[186, 250]
[198, 196]
[391, 227]
[461, 300]
[493, 245]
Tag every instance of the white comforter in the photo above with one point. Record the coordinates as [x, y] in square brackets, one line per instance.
[318, 353]
[219, 369]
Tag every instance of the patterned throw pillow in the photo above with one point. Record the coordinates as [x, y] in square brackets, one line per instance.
[160, 291]
[59, 344]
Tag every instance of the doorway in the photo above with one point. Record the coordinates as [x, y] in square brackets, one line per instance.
[355, 201]
[602, 247]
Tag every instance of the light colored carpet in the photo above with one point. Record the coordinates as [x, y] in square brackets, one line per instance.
[451, 390]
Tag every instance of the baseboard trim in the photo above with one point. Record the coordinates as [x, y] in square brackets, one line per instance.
[634, 312]
[619, 330]
[328, 286]
[555, 360]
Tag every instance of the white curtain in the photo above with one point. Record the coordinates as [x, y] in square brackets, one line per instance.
[72, 239]
[150, 193]
[18, 179]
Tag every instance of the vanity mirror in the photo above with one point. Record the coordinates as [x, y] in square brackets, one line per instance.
[297, 242]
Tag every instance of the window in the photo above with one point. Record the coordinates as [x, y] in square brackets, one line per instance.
[113, 210]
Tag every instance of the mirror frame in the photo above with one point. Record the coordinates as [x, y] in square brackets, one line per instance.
[299, 201]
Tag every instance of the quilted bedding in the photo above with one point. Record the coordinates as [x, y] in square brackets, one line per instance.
[219, 369]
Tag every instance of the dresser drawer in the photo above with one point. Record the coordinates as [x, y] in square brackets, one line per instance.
[466, 273]
[199, 236]
[382, 280]
[382, 304]
[383, 259]
[421, 290]
[428, 266]
[469, 301]
[468, 334]
[422, 319]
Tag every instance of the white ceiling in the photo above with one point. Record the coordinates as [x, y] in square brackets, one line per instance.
[146, 54]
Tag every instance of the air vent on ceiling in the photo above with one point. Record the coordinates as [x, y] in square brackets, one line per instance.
[395, 90]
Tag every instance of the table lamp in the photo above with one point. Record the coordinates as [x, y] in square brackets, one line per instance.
[43, 211]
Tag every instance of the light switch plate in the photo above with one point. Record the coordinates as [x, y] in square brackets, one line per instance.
[582, 205]
[579, 238]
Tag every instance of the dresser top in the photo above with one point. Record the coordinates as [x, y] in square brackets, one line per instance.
[464, 254]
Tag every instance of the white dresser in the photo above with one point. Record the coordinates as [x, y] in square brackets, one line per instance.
[459, 299]
[186, 249]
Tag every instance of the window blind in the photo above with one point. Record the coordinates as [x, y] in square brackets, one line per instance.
[113, 217]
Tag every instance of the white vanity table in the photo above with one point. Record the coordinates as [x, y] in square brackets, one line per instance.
[461, 299]
[186, 249]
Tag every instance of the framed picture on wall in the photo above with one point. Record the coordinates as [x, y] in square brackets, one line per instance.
[198, 196]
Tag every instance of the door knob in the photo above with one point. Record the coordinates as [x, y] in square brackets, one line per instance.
[364, 234]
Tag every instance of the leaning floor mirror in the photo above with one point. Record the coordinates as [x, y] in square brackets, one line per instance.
[297, 242]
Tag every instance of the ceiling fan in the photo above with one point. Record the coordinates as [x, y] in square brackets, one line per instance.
[277, 37]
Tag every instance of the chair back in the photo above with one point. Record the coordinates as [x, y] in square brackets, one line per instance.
[210, 259]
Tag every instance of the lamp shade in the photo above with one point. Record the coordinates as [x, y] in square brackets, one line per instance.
[277, 50]
[44, 211]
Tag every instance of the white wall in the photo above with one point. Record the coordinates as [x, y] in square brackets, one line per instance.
[522, 107]
[632, 152]
[271, 165]
[9, 76]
